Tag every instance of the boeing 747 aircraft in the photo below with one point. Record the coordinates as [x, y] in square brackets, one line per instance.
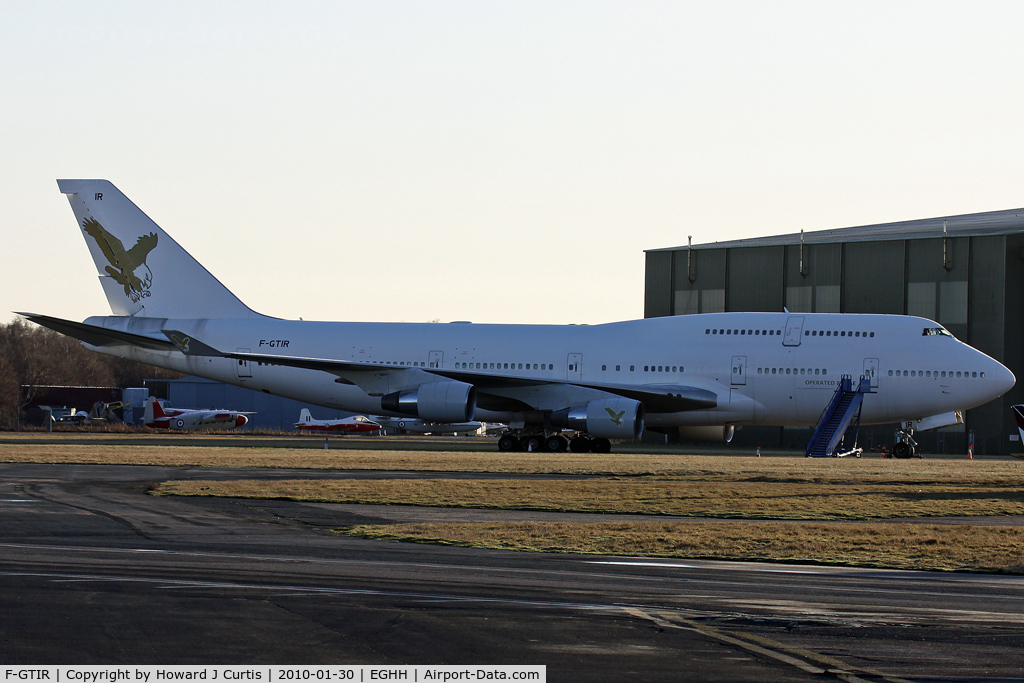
[701, 375]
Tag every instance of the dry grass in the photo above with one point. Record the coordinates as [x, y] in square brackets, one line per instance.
[236, 452]
[758, 499]
[897, 546]
[710, 486]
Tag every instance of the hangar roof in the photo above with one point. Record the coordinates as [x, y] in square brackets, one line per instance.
[965, 225]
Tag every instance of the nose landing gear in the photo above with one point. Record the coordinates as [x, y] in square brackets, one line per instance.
[905, 446]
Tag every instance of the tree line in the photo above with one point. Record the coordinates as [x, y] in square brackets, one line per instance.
[30, 354]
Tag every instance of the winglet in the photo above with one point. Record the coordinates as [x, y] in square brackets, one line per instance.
[189, 346]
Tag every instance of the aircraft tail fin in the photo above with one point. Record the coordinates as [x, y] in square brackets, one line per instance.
[1018, 416]
[305, 416]
[143, 271]
[153, 411]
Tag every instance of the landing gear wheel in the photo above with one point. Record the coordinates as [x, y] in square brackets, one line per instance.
[508, 443]
[579, 444]
[902, 451]
[556, 443]
[601, 445]
[532, 443]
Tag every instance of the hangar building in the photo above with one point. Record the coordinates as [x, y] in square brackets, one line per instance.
[966, 272]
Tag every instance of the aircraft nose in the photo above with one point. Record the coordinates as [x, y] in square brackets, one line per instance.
[1002, 379]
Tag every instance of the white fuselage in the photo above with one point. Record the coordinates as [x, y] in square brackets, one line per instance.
[764, 368]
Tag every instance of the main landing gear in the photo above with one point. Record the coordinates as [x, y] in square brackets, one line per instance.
[554, 443]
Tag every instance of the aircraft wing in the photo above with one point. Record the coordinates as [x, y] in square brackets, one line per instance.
[98, 336]
[658, 398]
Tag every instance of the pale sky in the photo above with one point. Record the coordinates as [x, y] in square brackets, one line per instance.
[489, 161]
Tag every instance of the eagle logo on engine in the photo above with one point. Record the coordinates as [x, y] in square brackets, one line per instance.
[615, 417]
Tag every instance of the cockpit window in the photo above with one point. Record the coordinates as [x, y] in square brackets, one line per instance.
[936, 332]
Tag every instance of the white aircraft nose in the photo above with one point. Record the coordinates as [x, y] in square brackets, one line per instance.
[1003, 379]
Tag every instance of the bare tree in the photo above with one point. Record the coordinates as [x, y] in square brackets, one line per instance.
[32, 355]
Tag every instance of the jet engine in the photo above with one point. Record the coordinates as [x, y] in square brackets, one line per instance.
[710, 434]
[447, 401]
[609, 418]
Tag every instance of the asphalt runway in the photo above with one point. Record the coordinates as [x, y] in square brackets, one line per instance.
[93, 570]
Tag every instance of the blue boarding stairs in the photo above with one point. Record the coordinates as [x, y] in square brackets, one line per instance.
[839, 419]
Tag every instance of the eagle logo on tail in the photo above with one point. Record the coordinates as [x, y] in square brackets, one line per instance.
[127, 266]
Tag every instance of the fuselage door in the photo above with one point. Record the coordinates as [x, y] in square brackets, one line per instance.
[574, 367]
[871, 370]
[739, 370]
[435, 359]
[794, 330]
[243, 365]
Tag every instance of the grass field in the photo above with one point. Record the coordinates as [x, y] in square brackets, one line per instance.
[803, 510]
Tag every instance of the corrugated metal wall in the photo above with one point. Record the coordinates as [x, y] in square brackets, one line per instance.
[974, 286]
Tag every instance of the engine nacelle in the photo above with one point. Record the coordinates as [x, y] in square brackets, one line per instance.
[447, 401]
[709, 434]
[609, 418]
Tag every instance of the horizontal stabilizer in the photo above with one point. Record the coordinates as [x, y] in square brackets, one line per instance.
[98, 336]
